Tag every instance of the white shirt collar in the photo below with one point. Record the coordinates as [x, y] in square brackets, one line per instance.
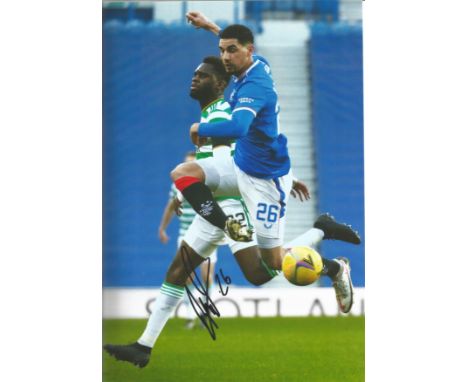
[255, 63]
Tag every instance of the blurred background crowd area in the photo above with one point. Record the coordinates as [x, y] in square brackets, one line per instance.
[235, 11]
[149, 54]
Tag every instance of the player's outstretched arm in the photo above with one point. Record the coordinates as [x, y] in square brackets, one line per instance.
[237, 127]
[199, 20]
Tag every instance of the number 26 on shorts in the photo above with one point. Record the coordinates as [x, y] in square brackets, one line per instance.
[267, 212]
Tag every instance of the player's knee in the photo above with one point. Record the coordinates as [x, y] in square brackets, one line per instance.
[255, 281]
[177, 172]
[176, 276]
[272, 257]
[253, 278]
[188, 169]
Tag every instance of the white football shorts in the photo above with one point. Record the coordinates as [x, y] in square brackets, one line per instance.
[214, 254]
[220, 176]
[203, 237]
[266, 199]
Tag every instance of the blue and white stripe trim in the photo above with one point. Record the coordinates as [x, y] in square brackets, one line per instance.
[282, 197]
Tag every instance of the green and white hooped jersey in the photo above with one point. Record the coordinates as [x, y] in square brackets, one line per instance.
[217, 111]
[188, 213]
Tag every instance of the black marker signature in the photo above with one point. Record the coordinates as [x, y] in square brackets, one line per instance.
[226, 279]
[204, 308]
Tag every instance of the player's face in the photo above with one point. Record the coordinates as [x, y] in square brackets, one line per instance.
[236, 57]
[203, 82]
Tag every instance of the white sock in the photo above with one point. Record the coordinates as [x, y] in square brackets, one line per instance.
[165, 304]
[188, 305]
[309, 238]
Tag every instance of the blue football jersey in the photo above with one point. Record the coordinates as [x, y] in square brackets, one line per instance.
[263, 152]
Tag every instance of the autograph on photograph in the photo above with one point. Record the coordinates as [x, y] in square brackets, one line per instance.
[204, 306]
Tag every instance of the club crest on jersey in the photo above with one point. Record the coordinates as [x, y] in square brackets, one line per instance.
[233, 93]
[206, 208]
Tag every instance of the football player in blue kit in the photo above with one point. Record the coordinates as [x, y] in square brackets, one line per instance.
[265, 187]
[261, 161]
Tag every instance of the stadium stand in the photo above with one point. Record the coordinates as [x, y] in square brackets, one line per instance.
[320, 10]
[337, 102]
[146, 115]
[126, 12]
[147, 68]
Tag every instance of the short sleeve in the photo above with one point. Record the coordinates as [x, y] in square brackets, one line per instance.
[173, 192]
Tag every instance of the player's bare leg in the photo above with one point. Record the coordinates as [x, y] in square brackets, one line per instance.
[207, 275]
[189, 179]
[188, 169]
[186, 260]
[171, 293]
[252, 266]
[207, 271]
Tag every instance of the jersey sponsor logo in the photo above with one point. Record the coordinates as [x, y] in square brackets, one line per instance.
[268, 226]
[245, 100]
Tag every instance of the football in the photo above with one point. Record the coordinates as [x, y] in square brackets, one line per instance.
[302, 265]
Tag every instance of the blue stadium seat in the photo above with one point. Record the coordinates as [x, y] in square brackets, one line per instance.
[284, 5]
[113, 25]
[134, 24]
[337, 102]
[266, 5]
[327, 9]
[147, 68]
[126, 13]
[319, 9]
[305, 6]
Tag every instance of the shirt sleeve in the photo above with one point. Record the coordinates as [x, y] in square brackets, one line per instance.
[172, 192]
[237, 127]
[251, 98]
[219, 115]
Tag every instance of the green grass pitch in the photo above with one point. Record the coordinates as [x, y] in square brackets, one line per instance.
[312, 349]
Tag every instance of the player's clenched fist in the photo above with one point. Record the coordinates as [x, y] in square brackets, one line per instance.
[197, 19]
[196, 140]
